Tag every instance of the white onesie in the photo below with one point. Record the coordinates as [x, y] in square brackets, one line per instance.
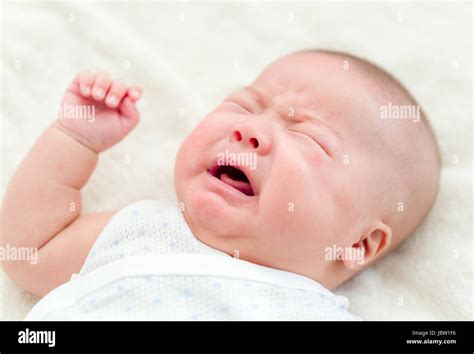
[147, 265]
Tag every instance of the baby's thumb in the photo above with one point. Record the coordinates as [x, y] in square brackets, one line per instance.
[129, 112]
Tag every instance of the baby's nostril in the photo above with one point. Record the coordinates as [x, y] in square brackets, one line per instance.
[237, 135]
[254, 142]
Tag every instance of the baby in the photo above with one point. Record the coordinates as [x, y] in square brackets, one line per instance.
[319, 168]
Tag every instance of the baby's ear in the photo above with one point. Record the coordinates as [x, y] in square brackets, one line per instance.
[369, 246]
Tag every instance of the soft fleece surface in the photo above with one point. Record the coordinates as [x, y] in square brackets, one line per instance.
[187, 56]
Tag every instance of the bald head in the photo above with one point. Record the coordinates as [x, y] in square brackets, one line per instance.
[403, 147]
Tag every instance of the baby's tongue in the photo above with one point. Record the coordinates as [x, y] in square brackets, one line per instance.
[242, 186]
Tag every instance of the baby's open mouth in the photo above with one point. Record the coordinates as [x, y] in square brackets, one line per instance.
[233, 177]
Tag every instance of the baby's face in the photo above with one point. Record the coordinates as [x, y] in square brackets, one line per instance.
[291, 134]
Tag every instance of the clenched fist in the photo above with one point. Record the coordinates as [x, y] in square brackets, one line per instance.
[98, 111]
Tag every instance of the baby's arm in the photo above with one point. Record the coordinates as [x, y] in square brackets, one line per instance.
[42, 205]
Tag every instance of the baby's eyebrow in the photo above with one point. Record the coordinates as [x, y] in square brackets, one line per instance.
[256, 95]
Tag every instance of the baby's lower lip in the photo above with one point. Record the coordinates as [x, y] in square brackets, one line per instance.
[233, 176]
[228, 189]
[243, 187]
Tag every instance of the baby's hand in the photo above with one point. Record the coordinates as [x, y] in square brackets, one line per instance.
[97, 111]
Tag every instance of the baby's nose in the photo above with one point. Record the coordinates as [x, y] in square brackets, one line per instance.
[257, 138]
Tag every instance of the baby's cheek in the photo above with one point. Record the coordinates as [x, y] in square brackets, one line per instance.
[286, 191]
[282, 210]
[297, 207]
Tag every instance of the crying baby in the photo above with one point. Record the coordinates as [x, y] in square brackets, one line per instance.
[288, 188]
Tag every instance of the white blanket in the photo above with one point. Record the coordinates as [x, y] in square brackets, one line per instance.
[187, 56]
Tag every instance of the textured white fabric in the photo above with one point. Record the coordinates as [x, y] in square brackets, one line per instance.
[147, 265]
[145, 227]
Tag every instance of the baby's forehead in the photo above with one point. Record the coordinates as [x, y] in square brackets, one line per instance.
[319, 82]
[313, 76]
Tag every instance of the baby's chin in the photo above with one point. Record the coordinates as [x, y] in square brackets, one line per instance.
[208, 214]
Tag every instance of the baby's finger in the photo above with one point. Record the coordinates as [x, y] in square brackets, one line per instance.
[134, 92]
[101, 85]
[129, 111]
[86, 79]
[116, 93]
